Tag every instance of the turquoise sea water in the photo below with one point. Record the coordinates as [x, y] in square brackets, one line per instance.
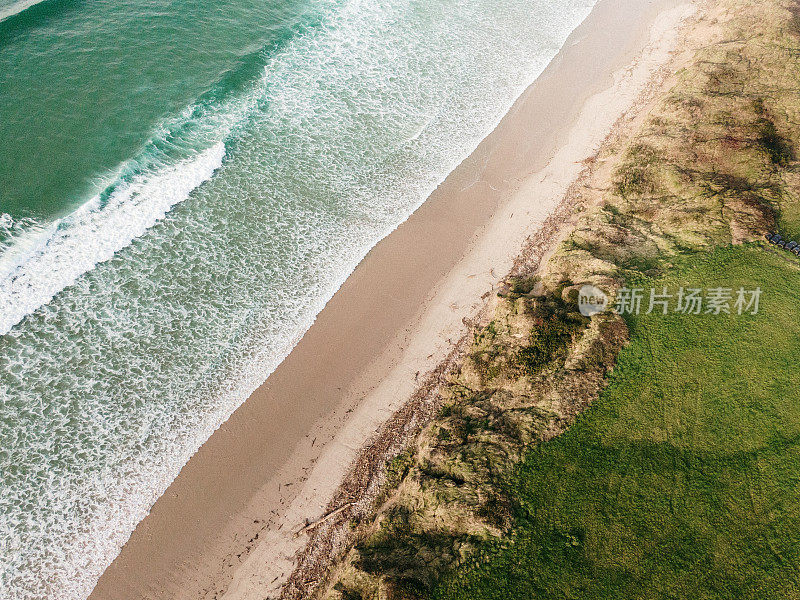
[183, 185]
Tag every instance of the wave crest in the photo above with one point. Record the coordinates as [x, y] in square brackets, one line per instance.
[41, 264]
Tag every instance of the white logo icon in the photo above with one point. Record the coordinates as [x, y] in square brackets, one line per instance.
[591, 300]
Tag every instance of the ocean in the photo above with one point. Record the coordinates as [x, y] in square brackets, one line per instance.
[183, 186]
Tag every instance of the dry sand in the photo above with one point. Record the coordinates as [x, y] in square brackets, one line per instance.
[227, 527]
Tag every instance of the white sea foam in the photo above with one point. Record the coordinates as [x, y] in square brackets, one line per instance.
[44, 263]
[107, 389]
[9, 10]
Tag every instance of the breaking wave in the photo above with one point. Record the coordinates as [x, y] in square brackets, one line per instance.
[137, 324]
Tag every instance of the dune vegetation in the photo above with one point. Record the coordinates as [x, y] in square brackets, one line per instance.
[637, 455]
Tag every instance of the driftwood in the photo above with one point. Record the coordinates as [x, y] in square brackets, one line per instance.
[322, 519]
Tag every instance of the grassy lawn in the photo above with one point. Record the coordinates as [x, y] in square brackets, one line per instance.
[683, 480]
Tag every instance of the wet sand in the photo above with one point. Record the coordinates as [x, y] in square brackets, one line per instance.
[225, 527]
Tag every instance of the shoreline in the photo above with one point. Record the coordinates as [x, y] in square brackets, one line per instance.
[394, 320]
[547, 413]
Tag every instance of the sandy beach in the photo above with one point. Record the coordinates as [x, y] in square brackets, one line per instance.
[230, 525]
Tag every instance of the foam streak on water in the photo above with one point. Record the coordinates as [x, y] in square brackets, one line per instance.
[154, 311]
[12, 8]
[94, 233]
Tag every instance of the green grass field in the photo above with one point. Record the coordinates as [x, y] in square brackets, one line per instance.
[683, 480]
